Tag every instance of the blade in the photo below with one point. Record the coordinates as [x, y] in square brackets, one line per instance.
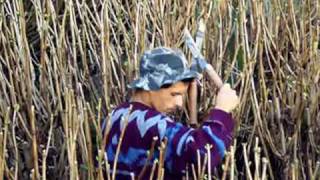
[192, 45]
[198, 61]
[200, 34]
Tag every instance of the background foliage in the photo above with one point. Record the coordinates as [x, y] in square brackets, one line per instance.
[65, 64]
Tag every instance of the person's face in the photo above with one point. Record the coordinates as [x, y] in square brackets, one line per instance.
[168, 100]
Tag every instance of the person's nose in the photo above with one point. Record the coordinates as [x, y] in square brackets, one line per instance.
[179, 101]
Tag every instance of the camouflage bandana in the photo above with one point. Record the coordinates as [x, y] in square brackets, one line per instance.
[162, 66]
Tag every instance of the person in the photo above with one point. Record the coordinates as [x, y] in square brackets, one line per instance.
[160, 90]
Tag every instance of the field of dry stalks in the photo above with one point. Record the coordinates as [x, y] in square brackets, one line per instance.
[65, 64]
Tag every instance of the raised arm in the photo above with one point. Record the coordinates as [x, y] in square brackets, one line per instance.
[216, 131]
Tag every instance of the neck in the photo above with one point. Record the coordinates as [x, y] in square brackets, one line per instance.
[142, 97]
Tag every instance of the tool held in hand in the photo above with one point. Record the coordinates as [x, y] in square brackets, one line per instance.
[200, 64]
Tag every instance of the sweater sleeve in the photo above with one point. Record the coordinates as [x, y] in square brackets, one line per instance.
[184, 142]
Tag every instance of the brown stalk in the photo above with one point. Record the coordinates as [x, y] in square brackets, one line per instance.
[150, 155]
[153, 169]
[34, 144]
[125, 120]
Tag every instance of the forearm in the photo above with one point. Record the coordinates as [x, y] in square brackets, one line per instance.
[216, 131]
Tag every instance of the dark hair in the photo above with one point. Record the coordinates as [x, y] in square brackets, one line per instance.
[188, 80]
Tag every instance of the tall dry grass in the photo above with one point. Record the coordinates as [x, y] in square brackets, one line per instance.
[65, 64]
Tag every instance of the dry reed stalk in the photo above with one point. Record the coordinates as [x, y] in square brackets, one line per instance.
[153, 169]
[124, 120]
[246, 161]
[88, 142]
[46, 151]
[293, 173]
[232, 163]
[101, 156]
[205, 161]
[101, 153]
[257, 152]
[107, 169]
[268, 50]
[187, 172]
[193, 171]
[16, 154]
[226, 165]
[132, 176]
[198, 163]
[264, 168]
[136, 32]
[3, 141]
[208, 148]
[278, 117]
[162, 155]
[44, 167]
[34, 145]
[2, 158]
[106, 132]
[32, 175]
[150, 155]
[76, 170]
[316, 171]
[105, 51]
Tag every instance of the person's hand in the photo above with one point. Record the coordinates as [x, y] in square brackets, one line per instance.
[227, 99]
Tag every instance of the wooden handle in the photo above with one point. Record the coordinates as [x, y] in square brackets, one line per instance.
[193, 93]
[213, 75]
[192, 103]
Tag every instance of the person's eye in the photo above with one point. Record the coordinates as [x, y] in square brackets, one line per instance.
[175, 94]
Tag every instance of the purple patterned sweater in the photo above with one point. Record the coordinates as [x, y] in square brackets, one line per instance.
[145, 123]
